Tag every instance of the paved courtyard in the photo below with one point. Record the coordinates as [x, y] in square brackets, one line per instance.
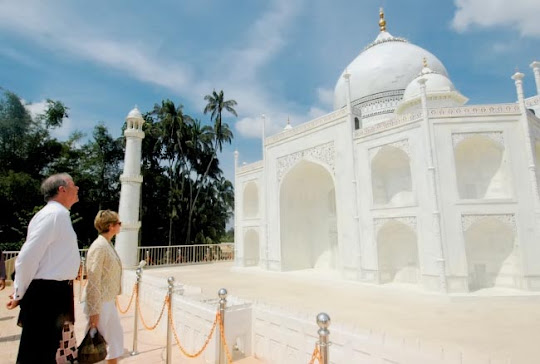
[505, 325]
[151, 344]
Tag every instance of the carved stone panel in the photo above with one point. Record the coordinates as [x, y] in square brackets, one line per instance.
[496, 136]
[324, 153]
[410, 221]
[400, 144]
[468, 220]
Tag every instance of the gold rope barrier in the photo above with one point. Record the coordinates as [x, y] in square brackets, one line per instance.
[316, 355]
[182, 349]
[130, 301]
[224, 342]
[160, 315]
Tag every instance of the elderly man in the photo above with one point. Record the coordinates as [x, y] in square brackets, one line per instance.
[45, 267]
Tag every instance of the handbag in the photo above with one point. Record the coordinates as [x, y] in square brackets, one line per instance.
[67, 351]
[93, 348]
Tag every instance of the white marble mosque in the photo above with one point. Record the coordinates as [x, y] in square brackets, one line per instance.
[403, 182]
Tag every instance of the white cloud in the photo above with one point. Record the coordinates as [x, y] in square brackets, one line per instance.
[315, 112]
[501, 47]
[251, 127]
[243, 80]
[325, 96]
[518, 14]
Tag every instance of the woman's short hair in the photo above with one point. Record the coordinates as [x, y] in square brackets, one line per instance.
[104, 219]
[49, 187]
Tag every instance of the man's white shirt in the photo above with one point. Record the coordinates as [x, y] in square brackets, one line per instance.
[50, 251]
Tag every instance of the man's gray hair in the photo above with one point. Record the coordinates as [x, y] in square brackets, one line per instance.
[50, 186]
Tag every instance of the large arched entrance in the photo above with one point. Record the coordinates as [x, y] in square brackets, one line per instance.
[491, 259]
[308, 225]
[397, 250]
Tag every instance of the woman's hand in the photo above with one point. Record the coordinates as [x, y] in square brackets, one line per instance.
[94, 320]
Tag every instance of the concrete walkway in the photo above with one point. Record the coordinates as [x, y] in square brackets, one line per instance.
[151, 344]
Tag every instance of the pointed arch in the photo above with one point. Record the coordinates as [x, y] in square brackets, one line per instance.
[481, 171]
[308, 221]
[391, 177]
[491, 257]
[397, 249]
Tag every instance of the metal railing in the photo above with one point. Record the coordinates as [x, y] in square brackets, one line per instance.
[161, 255]
[186, 254]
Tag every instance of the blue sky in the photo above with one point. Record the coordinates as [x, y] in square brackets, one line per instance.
[277, 57]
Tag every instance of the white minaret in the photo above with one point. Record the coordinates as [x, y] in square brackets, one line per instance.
[536, 69]
[127, 240]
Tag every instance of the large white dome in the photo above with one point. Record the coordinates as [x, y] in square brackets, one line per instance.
[388, 64]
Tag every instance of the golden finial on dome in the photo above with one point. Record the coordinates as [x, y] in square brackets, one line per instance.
[382, 22]
[424, 62]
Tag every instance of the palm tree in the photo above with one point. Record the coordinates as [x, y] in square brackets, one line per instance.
[171, 141]
[221, 134]
[216, 105]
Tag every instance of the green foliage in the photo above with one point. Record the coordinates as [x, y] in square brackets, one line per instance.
[28, 154]
[184, 199]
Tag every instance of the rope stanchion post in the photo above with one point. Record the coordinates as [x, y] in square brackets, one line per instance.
[138, 272]
[170, 281]
[323, 321]
[81, 277]
[222, 293]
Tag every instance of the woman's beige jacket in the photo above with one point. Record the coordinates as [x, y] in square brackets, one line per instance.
[104, 272]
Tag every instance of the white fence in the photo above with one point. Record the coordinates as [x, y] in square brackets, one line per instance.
[160, 255]
[186, 254]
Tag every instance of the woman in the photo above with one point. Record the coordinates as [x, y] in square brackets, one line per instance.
[104, 272]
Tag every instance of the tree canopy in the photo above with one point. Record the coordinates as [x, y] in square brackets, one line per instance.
[185, 198]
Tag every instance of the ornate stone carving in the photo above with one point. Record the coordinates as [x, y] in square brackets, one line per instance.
[410, 221]
[400, 144]
[445, 112]
[324, 153]
[134, 133]
[300, 129]
[255, 229]
[388, 124]
[468, 220]
[532, 101]
[496, 136]
[386, 40]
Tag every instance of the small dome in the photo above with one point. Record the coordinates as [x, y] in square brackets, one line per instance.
[288, 126]
[435, 83]
[440, 92]
[134, 114]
